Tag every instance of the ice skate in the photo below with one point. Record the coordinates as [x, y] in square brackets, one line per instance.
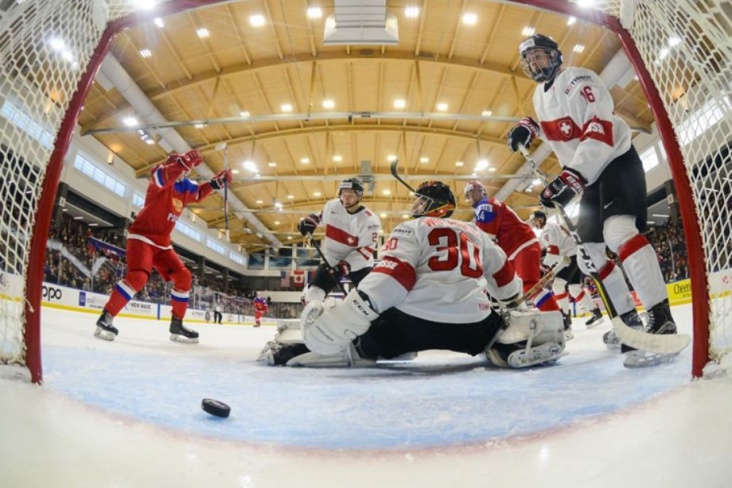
[595, 320]
[660, 321]
[631, 319]
[180, 333]
[105, 330]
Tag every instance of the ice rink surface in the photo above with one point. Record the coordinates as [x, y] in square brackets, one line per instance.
[127, 414]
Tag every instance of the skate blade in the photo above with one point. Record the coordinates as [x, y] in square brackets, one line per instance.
[104, 335]
[183, 339]
[596, 323]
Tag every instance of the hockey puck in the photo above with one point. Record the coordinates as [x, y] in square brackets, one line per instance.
[215, 407]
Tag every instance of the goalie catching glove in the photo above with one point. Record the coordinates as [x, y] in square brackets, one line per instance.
[563, 189]
[221, 179]
[332, 332]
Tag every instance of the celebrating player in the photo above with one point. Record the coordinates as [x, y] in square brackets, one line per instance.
[559, 244]
[514, 236]
[149, 245]
[351, 235]
[576, 117]
[260, 308]
[428, 292]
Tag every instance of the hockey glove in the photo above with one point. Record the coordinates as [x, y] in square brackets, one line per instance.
[513, 303]
[332, 332]
[221, 179]
[308, 224]
[340, 270]
[523, 133]
[189, 160]
[563, 189]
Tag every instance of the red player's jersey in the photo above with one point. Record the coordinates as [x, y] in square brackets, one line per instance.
[260, 304]
[499, 221]
[164, 203]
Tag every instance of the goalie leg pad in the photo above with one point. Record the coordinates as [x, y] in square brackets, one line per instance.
[547, 353]
[348, 358]
[538, 327]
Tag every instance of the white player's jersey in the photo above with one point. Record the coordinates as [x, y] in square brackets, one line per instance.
[350, 237]
[577, 119]
[558, 243]
[439, 270]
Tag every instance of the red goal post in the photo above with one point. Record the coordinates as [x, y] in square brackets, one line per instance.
[51, 52]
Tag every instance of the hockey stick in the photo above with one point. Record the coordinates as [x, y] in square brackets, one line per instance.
[225, 147]
[657, 343]
[395, 174]
[316, 245]
[548, 276]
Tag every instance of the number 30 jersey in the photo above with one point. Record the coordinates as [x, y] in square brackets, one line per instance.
[439, 270]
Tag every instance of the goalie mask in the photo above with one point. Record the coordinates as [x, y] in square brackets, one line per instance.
[434, 199]
[540, 58]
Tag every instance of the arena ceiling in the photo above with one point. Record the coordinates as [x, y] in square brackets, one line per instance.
[296, 114]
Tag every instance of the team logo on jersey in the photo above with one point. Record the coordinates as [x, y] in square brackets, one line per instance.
[177, 205]
[566, 127]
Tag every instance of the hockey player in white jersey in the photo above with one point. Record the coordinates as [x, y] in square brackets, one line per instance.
[429, 292]
[559, 244]
[351, 236]
[599, 163]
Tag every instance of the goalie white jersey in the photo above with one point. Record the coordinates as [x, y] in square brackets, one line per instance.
[578, 121]
[440, 269]
[558, 243]
[349, 237]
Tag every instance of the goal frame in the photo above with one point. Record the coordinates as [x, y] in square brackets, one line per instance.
[41, 226]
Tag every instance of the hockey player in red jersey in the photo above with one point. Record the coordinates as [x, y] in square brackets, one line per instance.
[514, 236]
[428, 292]
[260, 308]
[351, 235]
[149, 245]
[600, 165]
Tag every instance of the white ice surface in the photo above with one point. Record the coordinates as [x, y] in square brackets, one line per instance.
[126, 414]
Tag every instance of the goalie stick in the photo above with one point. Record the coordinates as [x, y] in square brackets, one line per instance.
[656, 343]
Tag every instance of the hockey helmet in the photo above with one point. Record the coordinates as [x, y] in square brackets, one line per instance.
[351, 184]
[434, 199]
[537, 215]
[539, 42]
[475, 191]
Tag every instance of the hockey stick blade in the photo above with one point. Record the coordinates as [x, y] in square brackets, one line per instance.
[395, 174]
[658, 343]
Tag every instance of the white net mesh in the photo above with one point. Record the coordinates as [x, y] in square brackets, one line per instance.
[45, 48]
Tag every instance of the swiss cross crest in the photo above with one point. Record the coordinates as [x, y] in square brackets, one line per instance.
[566, 127]
[351, 240]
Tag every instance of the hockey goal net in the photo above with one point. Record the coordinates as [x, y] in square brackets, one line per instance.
[51, 50]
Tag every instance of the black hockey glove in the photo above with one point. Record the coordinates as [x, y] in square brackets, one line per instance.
[340, 270]
[523, 133]
[308, 224]
[221, 179]
[563, 189]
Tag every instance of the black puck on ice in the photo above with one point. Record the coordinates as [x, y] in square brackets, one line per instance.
[215, 407]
